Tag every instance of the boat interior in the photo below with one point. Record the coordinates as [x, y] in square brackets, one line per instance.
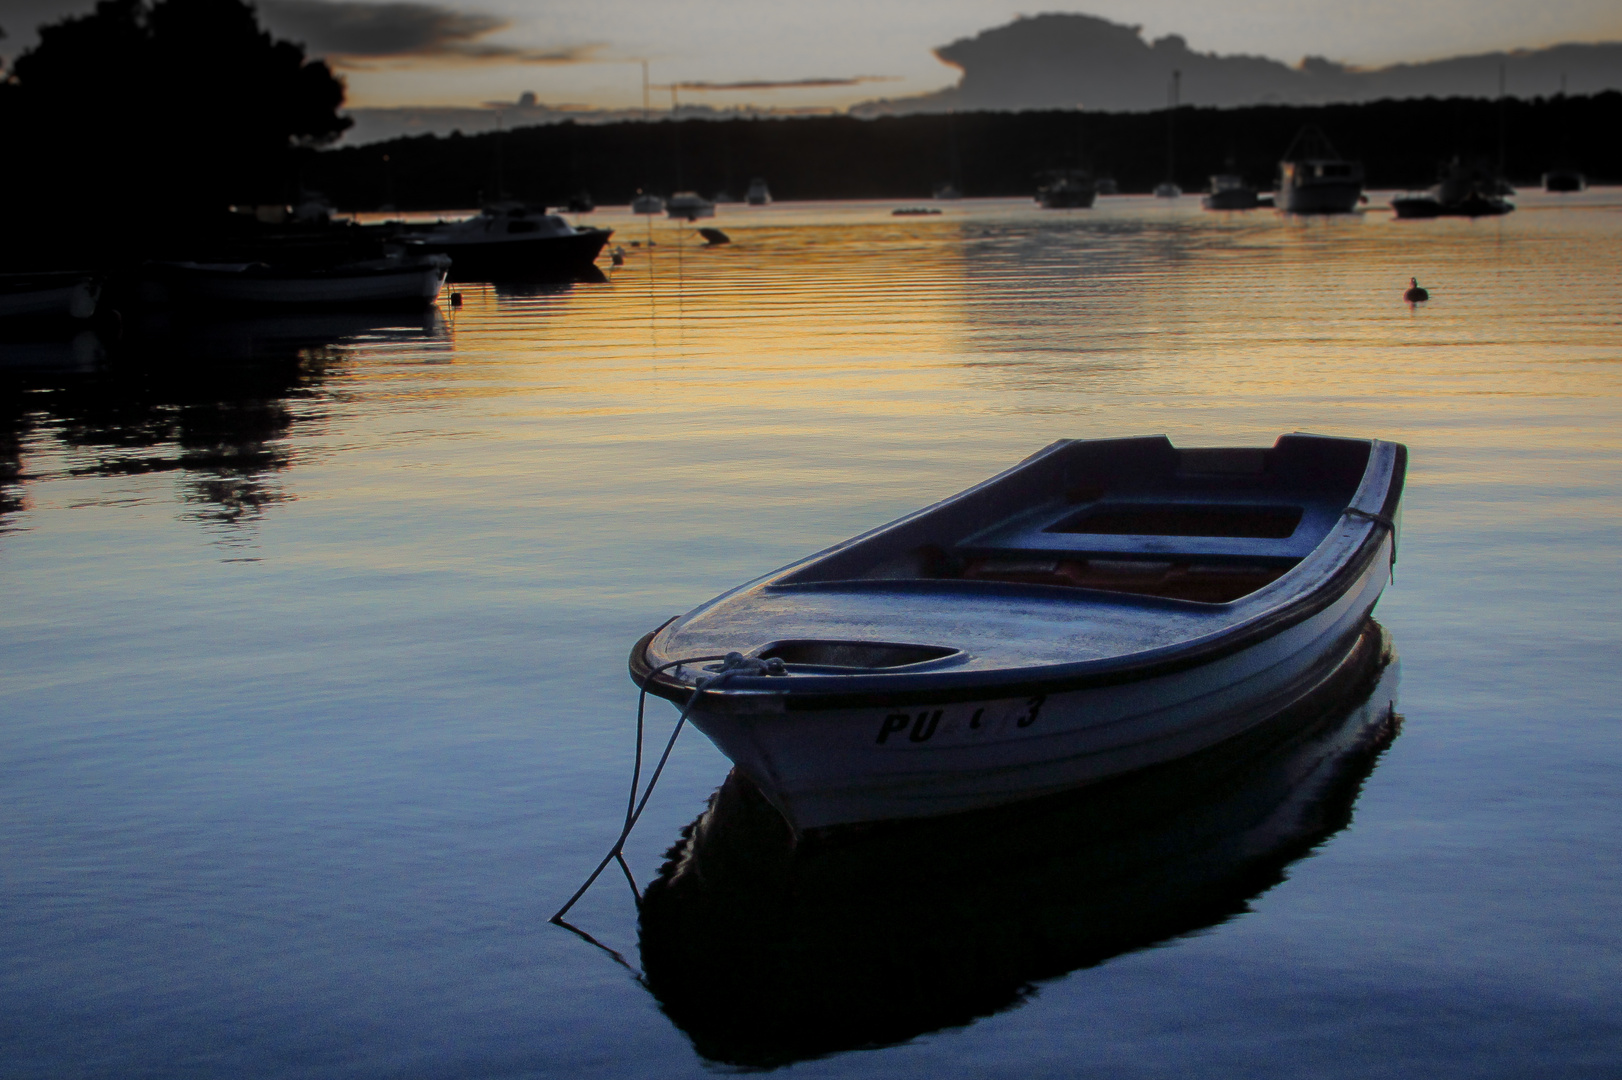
[1135, 516]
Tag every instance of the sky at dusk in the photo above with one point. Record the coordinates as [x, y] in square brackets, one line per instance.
[464, 52]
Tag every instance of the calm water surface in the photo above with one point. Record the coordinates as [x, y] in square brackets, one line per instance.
[313, 703]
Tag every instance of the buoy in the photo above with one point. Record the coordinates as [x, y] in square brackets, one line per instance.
[456, 299]
[1415, 294]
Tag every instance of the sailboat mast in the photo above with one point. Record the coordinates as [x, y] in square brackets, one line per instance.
[1171, 127]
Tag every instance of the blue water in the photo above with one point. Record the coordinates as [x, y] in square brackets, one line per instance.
[313, 703]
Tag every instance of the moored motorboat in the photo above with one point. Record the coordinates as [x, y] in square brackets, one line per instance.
[403, 281]
[514, 240]
[1103, 606]
[48, 296]
[758, 194]
[689, 206]
[1230, 192]
[1465, 189]
[1066, 189]
[647, 203]
[1564, 180]
[1314, 179]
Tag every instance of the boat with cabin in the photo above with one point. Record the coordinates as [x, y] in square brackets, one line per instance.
[1101, 607]
[647, 203]
[1230, 192]
[689, 206]
[758, 194]
[1314, 179]
[1066, 189]
[513, 240]
[1465, 189]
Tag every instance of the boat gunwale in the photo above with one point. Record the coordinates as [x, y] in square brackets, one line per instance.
[993, 684]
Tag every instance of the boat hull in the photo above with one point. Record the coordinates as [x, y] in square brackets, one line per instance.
[409, 285]
[899, 760]
[554, 257]
[1235, 199]
[48, 297]
[1067, 200]
[1423, 207]
[1320, 197]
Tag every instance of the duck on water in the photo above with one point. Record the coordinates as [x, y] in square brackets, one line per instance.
[1103, 606]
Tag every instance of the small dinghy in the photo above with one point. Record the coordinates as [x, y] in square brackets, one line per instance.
[1104, 606]
[59, 295]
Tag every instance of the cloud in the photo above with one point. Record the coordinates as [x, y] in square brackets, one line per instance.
[354, 33]
[785, 84]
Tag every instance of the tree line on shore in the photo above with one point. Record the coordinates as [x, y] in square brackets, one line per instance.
[142, 121]
[1401, 143]
[132, 129]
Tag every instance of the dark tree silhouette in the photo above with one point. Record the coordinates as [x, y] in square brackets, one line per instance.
[140, 121]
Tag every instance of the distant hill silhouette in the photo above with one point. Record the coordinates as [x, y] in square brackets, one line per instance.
[1070, 61]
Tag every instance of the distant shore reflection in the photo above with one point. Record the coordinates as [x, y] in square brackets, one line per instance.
[766, 952]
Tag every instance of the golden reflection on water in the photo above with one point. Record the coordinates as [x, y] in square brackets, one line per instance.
[834, 344]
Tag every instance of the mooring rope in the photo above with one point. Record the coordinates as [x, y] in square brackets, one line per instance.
[731, 664]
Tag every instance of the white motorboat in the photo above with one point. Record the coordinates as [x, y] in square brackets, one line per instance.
[1314, 179]
[514, 240]
[689, 205]
[645, 203]
[758, 194]
[52, 295]
[1101, 607]
[1168, 190]
[406, 281]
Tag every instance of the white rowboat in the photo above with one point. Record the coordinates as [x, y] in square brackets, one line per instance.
[1103, 606]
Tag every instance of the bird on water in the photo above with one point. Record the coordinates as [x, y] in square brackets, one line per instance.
[1415, 292]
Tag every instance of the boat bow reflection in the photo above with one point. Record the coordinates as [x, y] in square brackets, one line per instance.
[766, 952]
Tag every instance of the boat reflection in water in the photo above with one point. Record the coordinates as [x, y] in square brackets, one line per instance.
[766, 953]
